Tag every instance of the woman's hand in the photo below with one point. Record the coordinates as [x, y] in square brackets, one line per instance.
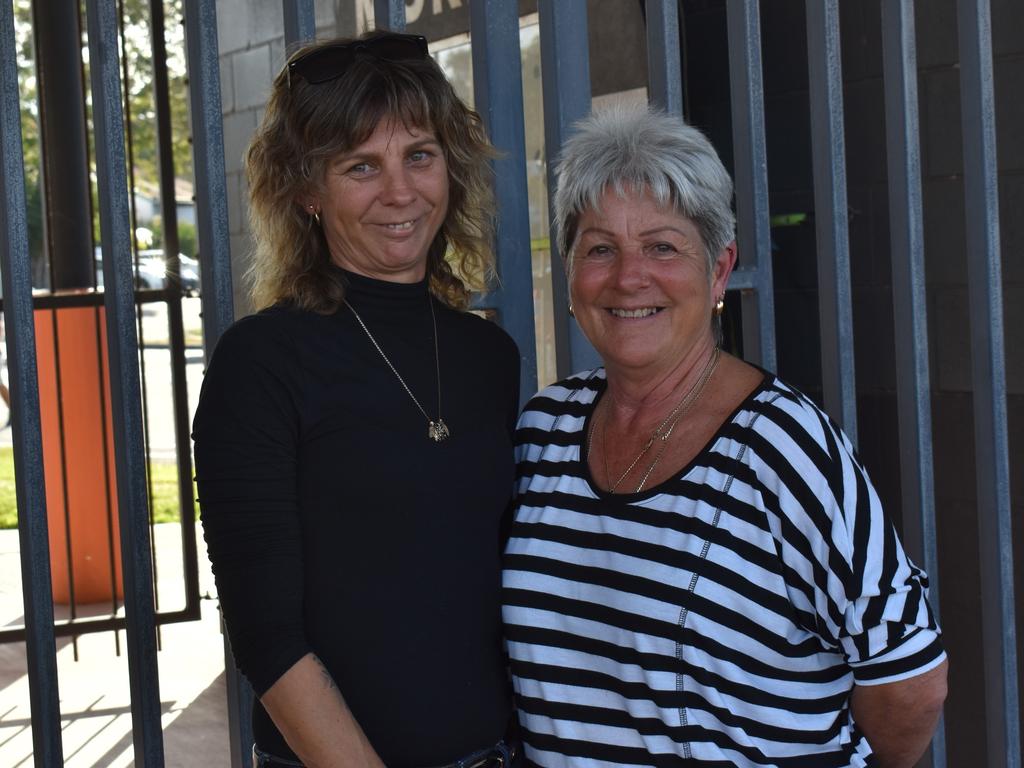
[898, 719]
[309, 711]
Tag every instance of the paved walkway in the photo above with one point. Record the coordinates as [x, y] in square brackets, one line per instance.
[94, 695]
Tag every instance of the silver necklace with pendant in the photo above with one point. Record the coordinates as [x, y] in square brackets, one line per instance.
[437, 430]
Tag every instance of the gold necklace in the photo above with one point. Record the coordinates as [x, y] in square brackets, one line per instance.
[437, 430]
[663, 431]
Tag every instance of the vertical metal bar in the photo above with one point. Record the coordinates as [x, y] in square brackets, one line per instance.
[65, 495]
[299, 22]
[101, 365]
[498, 94]
[565, 75]
[215, 273]
[988, 365]
[751, 171]
[240, 700]
[910, 316]
[133, 228]
[828, 149]
[179, 379]
[389, 14]
[211, 180]
[40, 647]
[129, 458]
[664, 64]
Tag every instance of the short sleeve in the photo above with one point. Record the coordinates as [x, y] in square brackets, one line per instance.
[246, 434]
[847, 569]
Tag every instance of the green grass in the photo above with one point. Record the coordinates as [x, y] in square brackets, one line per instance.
[164, 502]
[8, 503]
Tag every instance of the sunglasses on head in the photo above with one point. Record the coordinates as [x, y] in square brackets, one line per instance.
[330, 62]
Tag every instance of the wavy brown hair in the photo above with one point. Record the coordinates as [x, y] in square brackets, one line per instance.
[306, 126]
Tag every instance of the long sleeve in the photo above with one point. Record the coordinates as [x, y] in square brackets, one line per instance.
[246, 435]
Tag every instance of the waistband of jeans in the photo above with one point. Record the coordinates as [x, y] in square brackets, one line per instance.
[261, 759]
[498, 756]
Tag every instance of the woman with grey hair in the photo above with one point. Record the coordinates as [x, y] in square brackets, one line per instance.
[698, 565]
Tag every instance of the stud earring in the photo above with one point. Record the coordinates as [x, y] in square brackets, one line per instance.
[571, 312]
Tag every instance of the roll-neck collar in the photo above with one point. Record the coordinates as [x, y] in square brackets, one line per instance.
[385, 297]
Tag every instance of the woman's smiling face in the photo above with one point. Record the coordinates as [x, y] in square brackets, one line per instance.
[639, 282]
[383, 202]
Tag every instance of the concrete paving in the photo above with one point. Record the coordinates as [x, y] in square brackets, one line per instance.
[94, 694]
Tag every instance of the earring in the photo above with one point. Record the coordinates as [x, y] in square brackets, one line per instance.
[720, 306]
[314, 213]
[571, 313]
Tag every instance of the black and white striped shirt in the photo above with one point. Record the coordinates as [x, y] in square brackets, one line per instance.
[722, 616]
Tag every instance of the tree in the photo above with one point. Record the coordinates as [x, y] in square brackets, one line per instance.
[140, 110]
[137, 55]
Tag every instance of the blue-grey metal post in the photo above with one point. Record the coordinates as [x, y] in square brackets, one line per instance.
[176, 331]
[299, 22]
[751, 171]
[910, 316]
[828, 149]
[565, 71]
[664, 64]
[208, 158]
[498, 94]
[125, 389]
[389, 14]
[988, 366]
[215, 274]
[40, 647]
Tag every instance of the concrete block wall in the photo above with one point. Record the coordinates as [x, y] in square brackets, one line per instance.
[250, 35]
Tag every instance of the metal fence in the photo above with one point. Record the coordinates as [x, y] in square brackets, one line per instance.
[564, 50]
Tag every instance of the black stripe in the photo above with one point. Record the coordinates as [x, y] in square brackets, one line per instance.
[553, 638]
[629, 622]
[610, 753]
[586, 678]
[878, 671]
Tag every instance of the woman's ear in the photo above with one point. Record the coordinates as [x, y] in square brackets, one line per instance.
[724, 264]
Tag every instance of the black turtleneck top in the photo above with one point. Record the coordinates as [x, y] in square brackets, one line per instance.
[336, 526]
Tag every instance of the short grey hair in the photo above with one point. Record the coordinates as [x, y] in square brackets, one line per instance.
[629, 148]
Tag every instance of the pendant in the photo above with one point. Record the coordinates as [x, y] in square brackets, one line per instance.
[438, 430]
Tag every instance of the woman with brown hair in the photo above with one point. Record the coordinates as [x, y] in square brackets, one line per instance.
[353, 439]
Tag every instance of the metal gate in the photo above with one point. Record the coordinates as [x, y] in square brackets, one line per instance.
[564, 51]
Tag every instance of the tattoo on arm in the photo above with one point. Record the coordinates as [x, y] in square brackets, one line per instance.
[328, 680]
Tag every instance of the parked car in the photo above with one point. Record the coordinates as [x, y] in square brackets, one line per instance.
[151, 270]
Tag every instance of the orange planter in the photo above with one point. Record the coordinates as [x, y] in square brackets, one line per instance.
[78, 454]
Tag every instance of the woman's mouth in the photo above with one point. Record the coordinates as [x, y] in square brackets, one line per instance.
[634, 314]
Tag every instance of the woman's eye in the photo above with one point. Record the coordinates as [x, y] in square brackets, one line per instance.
[420, 156]
[359, 169]
[663, 249]
[599, 251]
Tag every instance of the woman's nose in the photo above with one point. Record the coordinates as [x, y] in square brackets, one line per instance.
[631, 269]
[397, 186]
